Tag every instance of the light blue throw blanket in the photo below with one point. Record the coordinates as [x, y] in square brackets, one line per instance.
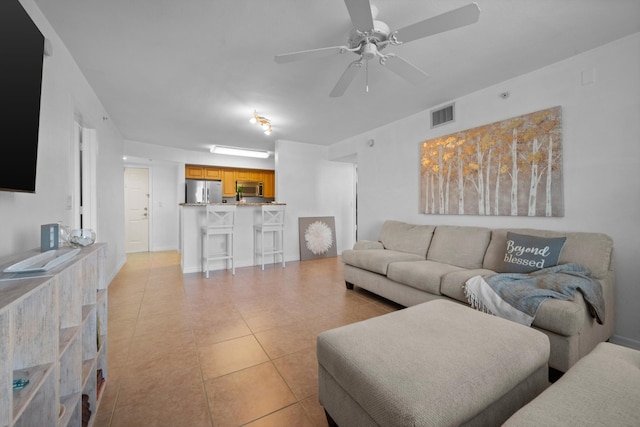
[517, 296]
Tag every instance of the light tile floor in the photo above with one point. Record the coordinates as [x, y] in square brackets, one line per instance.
[238, 350]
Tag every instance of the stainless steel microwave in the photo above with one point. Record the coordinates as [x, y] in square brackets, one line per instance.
[250, 188]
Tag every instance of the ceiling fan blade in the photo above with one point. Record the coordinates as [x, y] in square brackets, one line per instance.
[310, 54]
[360, 13]
[346, 78]
[456, 18]
[405, 69]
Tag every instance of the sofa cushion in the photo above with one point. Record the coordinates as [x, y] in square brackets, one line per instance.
[524, 253]
[423, 275]
[452, 283]
[403, 237]
[592, 250]
[459, 245]
[367, 244]
[376, 260]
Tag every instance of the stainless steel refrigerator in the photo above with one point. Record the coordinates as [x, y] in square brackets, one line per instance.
[203, 191]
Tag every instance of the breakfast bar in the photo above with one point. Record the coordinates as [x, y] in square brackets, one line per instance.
[193, 218]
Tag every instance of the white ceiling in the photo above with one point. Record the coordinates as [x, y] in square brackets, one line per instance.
[190, 73]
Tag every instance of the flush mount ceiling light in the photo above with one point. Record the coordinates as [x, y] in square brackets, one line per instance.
[232, 151]
[264, 123]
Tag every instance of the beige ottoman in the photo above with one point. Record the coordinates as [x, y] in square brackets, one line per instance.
[434, 364]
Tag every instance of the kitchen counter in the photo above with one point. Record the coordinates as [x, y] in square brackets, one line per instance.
[193, 218]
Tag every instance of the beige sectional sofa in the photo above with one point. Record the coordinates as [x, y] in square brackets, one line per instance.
[411, 264]
[602, 389]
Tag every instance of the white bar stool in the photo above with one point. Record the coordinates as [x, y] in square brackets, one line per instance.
[220, 221]
[271, 221]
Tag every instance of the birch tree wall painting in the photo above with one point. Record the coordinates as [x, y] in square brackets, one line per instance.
[512, 167]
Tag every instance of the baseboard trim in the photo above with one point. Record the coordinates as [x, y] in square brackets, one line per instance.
[163, 249]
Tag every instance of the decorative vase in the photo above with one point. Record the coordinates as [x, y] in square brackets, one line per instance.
[81, 237]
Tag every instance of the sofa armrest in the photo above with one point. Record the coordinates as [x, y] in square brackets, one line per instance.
[367, 244]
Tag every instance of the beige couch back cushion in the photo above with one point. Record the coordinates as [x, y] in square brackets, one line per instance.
[592, 250]
[411, 238]
[461, 246]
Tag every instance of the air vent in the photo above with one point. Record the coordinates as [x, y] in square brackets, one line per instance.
[442, 116]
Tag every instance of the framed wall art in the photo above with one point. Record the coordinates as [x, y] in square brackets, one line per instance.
[317, 237]
[512, 167]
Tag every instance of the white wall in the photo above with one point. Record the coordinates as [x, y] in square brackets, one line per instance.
[311, 185]
[66, 96]
[163, 206]
[601, 140]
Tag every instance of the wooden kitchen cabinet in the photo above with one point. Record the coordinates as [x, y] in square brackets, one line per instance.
[212, 173]
[249, 175]
[243, 174]
[228, 183]
[268, 184]
[202, 172]
[229, 176]
[194, 172]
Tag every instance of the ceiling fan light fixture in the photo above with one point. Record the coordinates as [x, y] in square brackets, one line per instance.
[233, 151]
[369, 51]
[368, 37]
[264, 123]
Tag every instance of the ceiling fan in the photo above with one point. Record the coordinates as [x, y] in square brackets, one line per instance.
[369, 37]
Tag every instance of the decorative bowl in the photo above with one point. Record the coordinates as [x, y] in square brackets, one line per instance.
[82, 237]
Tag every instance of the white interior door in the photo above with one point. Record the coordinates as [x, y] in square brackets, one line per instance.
[136, 209]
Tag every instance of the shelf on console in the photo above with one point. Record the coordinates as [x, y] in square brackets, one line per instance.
[88, 367]
[87, 310]
[66, 337]
[69, 402]
[36, 376]
[48, 332]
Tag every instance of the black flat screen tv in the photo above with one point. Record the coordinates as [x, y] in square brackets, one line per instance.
[22, 50]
